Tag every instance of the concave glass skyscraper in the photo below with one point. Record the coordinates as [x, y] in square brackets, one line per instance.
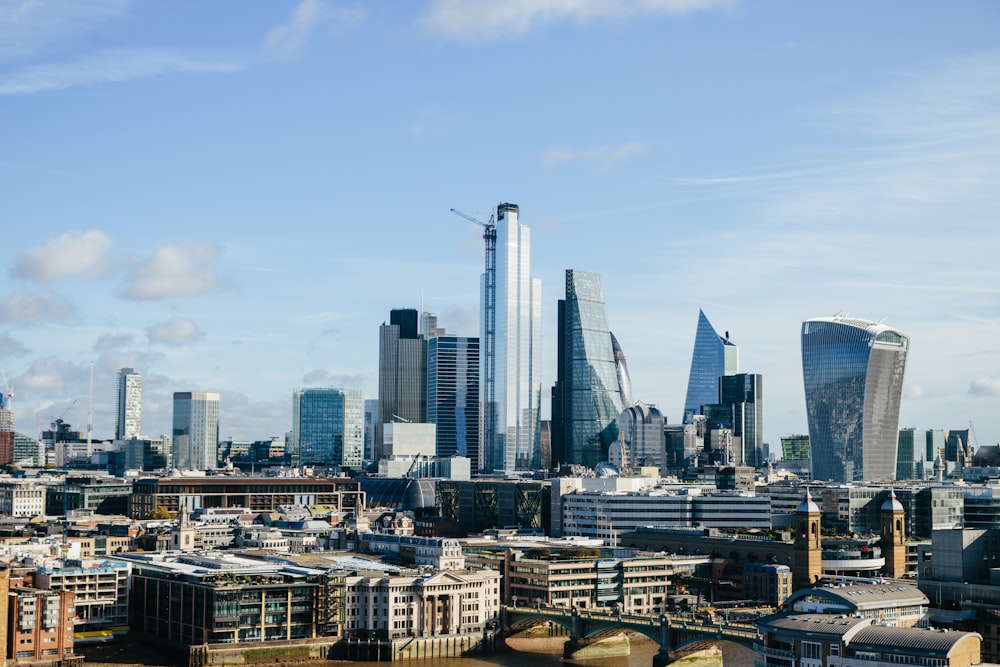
[511, 390]
[592, 381]
[853, 373]
[713, 357]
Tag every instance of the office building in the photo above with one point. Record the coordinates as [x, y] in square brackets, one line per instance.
[740, 409]
[714, 356]
[511, 360]
[402, 374]
[588, 396]
[371, 419]
[6, 430]
[128, 417]
[795, 448]
[196, 430]
[642, 435]
[853, 374]
[911, 454]
[327, 427]
[453, 395]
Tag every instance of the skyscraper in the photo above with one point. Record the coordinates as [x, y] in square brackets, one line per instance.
[453, 395]
[6, 429]
[327, 427]
[371, 419]
[588, 396]
[713, 357]
[853, 374]
[740, 408]
[511, 363]
[196, 430]
[402, 374]
[128, 420]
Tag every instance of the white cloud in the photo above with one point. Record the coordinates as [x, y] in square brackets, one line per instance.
[288, 40]
[320, 376]
[489, 20]
[33, 307]
[175, 332]
[74, 253]
[11, 347]
[111, 342]
[600, 156]
[52, 374]
[27, 27]
[985, 386]
[175, 270]
[105, 67]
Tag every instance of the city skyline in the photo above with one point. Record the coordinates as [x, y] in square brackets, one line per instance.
[203, 199]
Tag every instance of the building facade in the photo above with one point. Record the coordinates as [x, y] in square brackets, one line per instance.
[402, 372]
[641, 430]
[327, 427]
[714, 356]
[128, 416]
[853, 374]
[40, 625]
[511, 363]
[453, 395]
[740, 408]
[587, 397]
[196, 430]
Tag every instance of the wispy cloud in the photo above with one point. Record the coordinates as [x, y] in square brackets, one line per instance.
[110, 342]
[28, 27]
[74, 253]
[35, 307]
[175, 332]
[490, 20]
[175, 270]
[289, 39]
[106, 67]
[320, 376]
[985, 386]
[11, 347]
[599, 156]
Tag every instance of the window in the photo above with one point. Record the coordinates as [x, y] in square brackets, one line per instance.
[811, 651]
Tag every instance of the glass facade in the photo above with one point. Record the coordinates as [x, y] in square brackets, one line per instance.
[853, 374]
[327, 427]
[741, 409]
[196, 430]
[795, 448]
[713, 357]
[128, 423]
[588, 396]
[510, 407]
[453, 395]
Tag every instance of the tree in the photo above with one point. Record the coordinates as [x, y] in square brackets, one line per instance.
[159, 513]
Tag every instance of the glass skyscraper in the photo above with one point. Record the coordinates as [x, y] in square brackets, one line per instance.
[853, 374]
[453, 395]
[588, 396]
[327, 427]
[128, 420]
[511, 365]
[713, 357]
[740, 408]
[195, 443]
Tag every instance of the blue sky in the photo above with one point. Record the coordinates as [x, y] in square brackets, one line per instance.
[231, 196]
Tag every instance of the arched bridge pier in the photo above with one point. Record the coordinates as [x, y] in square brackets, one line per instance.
[601, 634]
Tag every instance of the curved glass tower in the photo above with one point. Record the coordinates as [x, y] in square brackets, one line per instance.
[589, 393]
[853, 373]
[713, 357]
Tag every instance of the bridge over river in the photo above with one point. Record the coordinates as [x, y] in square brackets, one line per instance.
[590, 631]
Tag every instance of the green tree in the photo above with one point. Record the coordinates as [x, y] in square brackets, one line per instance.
[159, 513]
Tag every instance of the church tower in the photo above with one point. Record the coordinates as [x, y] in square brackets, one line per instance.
[893, 537]
[183, 535]
[808, 559]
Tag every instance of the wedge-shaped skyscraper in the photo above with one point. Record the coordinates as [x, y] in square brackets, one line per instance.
[853, 373]
[713, 357]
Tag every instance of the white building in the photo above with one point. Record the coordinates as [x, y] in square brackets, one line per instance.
[427, 605]
[21, 498]
[128, 420]
[196, 430]
[510, 359]
[401, 439]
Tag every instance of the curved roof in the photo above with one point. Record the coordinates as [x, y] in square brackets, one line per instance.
[807, 505]
[813, 624]
[864, 597]
[936, 642]
[874, 328]
[891, 504]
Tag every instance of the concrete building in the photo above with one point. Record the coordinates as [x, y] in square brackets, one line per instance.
[641, 433]
[402, 373]
[101, 587]
[439, 553]
[453, 395]
[404, 439]
[41, 625]
[196, 430]
[22, 498]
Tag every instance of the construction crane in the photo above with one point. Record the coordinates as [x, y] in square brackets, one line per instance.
[7, 397]
[487, 343]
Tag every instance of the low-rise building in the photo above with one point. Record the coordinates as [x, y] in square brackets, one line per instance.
[102, 594]
[40, 624]
[21, 498]
[441, 553]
